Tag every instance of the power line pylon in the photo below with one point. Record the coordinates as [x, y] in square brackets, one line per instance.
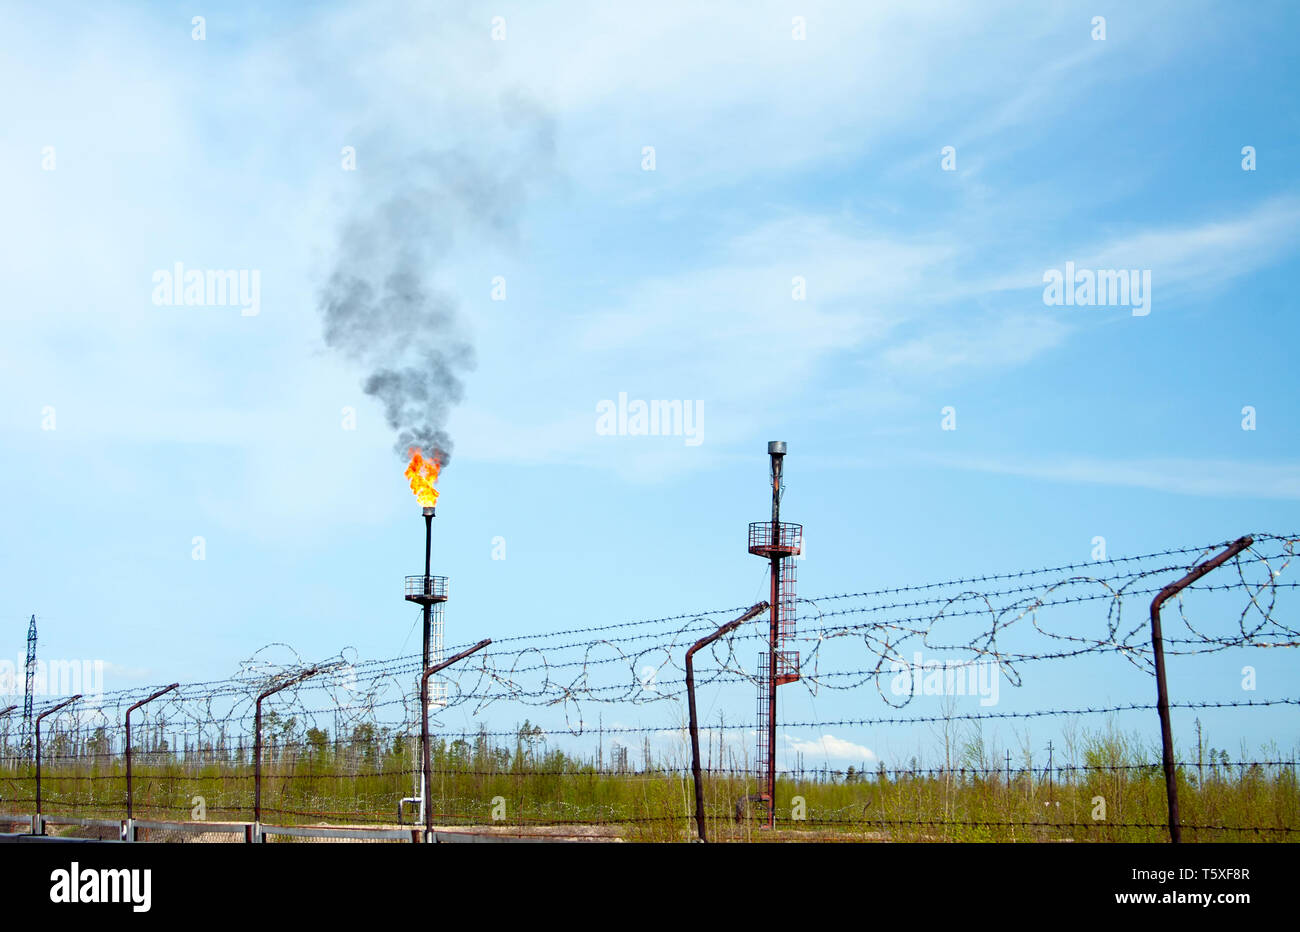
[30, 689]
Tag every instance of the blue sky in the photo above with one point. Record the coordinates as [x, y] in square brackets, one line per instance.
[774, 158]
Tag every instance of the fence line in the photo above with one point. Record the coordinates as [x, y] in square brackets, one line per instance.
[341, 721]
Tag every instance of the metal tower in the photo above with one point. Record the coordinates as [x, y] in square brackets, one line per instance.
[429, 592]
[778, 543]
[30, 689]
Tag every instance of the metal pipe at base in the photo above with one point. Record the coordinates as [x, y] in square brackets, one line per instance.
[1162, 686]
[703, 642]
[39, 822]
[426, 766]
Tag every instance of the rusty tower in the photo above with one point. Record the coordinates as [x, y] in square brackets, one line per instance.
[779, 544]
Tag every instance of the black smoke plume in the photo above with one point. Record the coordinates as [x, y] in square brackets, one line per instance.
[380, 306]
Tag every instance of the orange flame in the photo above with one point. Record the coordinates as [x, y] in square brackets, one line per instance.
[423, 474]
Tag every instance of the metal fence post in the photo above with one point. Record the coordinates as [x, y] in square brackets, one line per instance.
[257, 743]
[4, 742]
[131, 828]
[426, 769]
[1162, 688]
[703, 642]
[65, 702]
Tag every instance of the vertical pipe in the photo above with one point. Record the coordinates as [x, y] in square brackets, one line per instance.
[160, 692]
[38, 754]
[257, 737]
[1162, 687]
[426, 773]
[1166, 729]
[753, 612]
[773, 638]
[428, 547]
[695, 740]
[424, 680]
[774, 635]
[425, 764]
[257, 762]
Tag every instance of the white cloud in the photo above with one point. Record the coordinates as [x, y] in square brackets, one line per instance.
[718, 325]
[724, 333]
[729, 332]
[1206, 254]
[829, 747]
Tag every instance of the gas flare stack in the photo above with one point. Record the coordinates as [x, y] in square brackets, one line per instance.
[430, 592]
[780, 544]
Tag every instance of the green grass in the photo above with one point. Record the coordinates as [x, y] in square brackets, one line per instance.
[971, 799]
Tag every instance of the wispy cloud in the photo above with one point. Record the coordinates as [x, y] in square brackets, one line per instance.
[728, 331]
[991, 343]
[1204, 477]
[1209, 253]
[1190, 257]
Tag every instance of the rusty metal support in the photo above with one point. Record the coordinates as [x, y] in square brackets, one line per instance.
[4, 744]
[1162, 688]
[753, 612]
[161, 692]
[426, 613]
[776, 451]
[65, 702]
[426, 768]
[257, 736]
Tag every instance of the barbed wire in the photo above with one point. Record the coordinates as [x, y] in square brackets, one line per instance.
[992, 625]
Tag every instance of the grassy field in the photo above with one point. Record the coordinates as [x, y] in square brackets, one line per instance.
[1103, 787]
